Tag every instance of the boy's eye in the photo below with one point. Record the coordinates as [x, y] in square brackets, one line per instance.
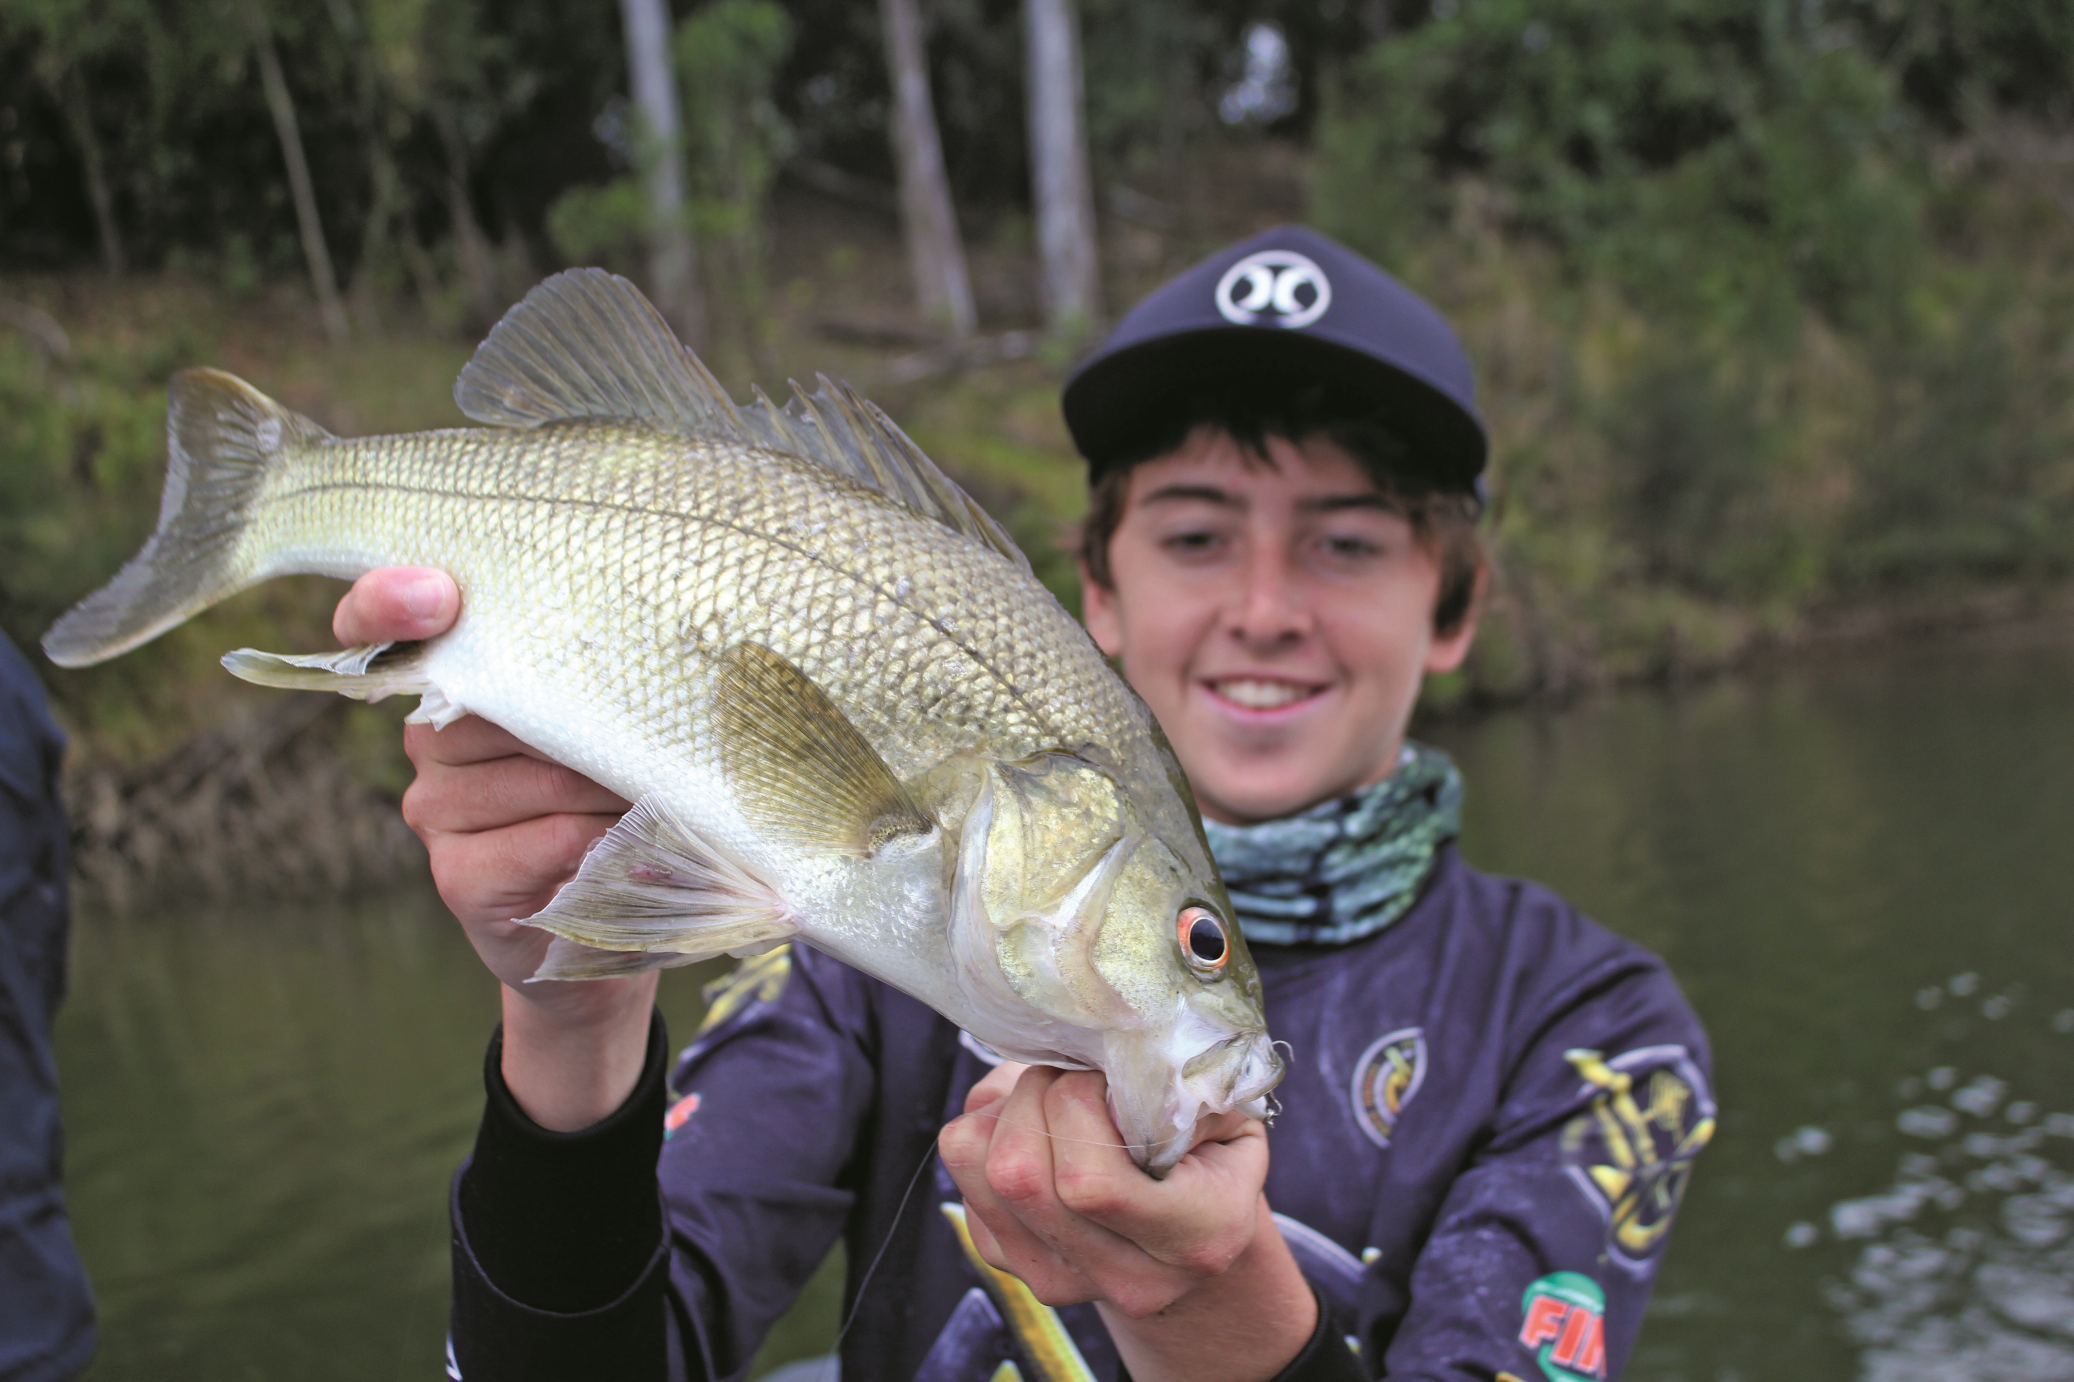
[1192, 542]
[1350, 546]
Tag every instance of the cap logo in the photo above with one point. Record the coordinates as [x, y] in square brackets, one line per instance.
[1273, 288]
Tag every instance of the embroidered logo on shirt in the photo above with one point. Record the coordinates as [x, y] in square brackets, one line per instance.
[758, 979]
[1632, 1149]
[1386, 1077]
[1565, 1325]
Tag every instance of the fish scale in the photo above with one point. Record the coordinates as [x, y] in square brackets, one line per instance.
[845, 710]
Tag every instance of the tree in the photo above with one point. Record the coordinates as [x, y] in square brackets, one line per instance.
[73, 33]
[659, 140]
[728, 56]
[315, 252]
[935, 254]
[1060, 192]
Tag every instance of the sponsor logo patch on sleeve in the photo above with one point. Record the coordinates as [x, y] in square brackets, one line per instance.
[1631, 1151]
[1563, 1324]
[679, 1114]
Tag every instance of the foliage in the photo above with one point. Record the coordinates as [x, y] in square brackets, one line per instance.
[1767, 296]
[603, 225]
[1715, 155]
[728, 57]
[1762, 291]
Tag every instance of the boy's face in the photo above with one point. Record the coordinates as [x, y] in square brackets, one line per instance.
[1277, 618]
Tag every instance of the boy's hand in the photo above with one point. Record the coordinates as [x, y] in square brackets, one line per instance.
[1190, 1273]
[504, 829]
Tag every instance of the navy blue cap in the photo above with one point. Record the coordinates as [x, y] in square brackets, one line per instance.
[1264, 321]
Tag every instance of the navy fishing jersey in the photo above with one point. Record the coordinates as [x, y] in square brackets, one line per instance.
[1491, 1110]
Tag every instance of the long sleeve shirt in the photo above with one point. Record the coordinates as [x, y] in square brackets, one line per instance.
[1490, 1112]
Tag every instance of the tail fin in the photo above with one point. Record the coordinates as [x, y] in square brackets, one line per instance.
[222, 437]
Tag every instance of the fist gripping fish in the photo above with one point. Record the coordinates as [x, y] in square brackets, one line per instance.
[843, 707]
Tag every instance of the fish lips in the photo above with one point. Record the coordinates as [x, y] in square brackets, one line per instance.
[1157, 1099]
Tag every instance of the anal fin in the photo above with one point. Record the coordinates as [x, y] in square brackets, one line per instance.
[369, 672]
[651, 894]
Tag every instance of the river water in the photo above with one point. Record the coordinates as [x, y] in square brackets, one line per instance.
[1858, 869]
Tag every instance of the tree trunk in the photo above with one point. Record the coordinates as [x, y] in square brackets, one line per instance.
[364, 285]
[659, 141]
[329, 308]
[473, 247]
[1060, 189]
[935, 255]
[70, 89]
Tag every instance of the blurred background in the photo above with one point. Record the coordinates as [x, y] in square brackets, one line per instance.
[1771, 305]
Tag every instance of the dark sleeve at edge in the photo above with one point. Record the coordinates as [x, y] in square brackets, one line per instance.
[560, 1261]
[1326, 1358]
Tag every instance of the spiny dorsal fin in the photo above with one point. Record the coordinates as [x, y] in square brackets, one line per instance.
[852, 436]
[586, 344]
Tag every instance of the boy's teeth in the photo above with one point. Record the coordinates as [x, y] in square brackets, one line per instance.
[1260, 695]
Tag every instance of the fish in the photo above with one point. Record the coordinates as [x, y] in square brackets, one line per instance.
[845, 711]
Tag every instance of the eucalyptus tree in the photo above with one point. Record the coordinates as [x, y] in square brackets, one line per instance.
[72, 34]
[728, 54]
[1061, 193]
[935, 253]
[659, 144]
[316, 252]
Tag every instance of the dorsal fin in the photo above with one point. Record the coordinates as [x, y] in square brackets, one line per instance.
[851, 435]
[587, 344]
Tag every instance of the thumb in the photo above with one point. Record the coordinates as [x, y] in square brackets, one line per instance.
[397, 604]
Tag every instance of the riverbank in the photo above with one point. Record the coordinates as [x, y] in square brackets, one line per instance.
[1656, 514]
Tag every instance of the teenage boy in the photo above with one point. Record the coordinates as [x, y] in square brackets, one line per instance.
[1491, 1104]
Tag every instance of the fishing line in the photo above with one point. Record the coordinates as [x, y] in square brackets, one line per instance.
[1084, 1141]
[858, 1304]
[1061, 1137]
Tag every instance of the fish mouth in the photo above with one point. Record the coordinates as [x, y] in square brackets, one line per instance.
[1234, 1072]
[1256, 695]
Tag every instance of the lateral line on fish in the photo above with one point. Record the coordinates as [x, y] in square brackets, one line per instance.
[1014, 691]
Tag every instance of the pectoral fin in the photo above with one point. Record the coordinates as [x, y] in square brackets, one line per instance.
[802, 772]
[651, 894]
[366, 673]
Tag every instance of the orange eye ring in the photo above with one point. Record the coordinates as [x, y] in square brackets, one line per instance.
[1205, 945]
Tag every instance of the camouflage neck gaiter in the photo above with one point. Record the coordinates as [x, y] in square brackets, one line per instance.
[1345, 868]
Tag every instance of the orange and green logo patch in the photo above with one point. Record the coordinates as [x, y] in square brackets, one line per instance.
[1564, 1325]
[679, 1114]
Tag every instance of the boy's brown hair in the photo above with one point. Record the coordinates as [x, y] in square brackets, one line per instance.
[1442, 518]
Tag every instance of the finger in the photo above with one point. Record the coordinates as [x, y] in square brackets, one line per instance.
[1195, 1223]
[396, 604]
[1021, 1175]
[995, 1086]
[1001, 1239]
[497, 875]
[1056, 1284]
[449, 799]
[467, 740]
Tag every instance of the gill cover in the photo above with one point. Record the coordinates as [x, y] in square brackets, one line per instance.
[1065, 945]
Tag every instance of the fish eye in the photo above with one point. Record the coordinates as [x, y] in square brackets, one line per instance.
[1203, 942]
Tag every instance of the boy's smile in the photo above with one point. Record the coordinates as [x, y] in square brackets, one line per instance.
[1277, 616]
